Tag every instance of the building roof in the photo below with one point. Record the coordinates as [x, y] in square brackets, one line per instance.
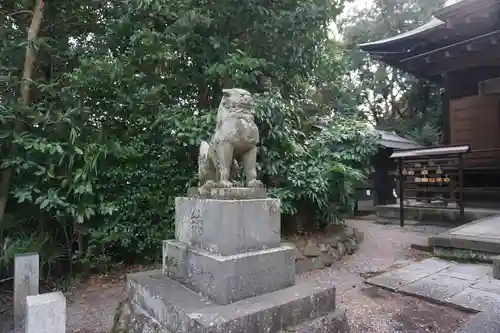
[432, 24]
[431, 151]
[387, 139]
[460, 35]
[394, 141]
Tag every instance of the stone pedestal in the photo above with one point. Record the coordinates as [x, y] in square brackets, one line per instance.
[227, 271]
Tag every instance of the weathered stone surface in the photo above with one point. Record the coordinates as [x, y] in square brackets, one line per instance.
[334, 253]
[332, 241]
[299, 255]
[484, 322]
[396, 279]
[227, 279]
[359, 235]
[229, 193]
[312, 250]
[436, 287]
[354, 244]
[228, 226]
[303, 266]
[464, 271]
[487, 284]
[431, 265]
[235, 139]
[327, 259]
[422, 245]
[433, 279]
[348, 232]
[348, 247]
[46, 313]
[130, 318]
[175, 258]
[323, 248]
[481, 236]
[342, 236]
[475, 299]
[26, 283]
[177, 309]
[334, 322]
[341, 248]
[496, 267]
[318, 263]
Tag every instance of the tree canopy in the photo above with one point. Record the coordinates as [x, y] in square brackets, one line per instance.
[103, 105]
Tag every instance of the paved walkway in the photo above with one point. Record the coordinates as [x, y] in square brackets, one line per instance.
[375, 310]
[482, 235]
[465, 286]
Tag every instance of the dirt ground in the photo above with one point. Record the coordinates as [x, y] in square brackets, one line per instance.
[369, 309]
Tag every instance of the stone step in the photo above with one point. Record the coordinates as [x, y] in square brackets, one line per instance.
[333, 322]
[227, 279]
[177, 309]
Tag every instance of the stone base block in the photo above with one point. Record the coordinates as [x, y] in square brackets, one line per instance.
[159, 304]
[227, 279]
[496, 267]
[231, 193]
[228, 226]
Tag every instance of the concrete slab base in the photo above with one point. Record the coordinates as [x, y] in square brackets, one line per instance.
[480, 238]
[390, 213]
[415, 214]
[159, 304]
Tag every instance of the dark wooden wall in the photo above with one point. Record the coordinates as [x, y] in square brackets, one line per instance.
[481, 169]
[462, 83]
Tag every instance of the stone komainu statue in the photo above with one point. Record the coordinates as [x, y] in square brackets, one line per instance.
[234, 142]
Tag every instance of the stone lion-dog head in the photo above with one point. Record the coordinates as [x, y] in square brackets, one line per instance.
[235, 103]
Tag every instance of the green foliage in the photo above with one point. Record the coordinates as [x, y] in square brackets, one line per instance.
[123, 93]
[315, 173]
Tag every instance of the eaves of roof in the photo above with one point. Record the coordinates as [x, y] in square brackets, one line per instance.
[422, 30]
[394, 141]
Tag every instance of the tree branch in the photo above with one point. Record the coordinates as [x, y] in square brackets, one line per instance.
[29, 61]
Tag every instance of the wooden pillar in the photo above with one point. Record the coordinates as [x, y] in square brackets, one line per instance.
[445, 104]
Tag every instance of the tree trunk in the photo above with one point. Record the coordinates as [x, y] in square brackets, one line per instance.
[29, 61]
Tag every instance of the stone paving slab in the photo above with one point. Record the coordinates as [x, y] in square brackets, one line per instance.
[475, 299]
[395, 279]
[471, 272]
[437, 287]
[487, 284]
[480, 235]
[463, 285]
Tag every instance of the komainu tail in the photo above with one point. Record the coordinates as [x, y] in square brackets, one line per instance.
[202, 161]
[203, 150]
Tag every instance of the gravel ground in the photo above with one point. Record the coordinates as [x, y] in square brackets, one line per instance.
[369, 309]
[373, 310]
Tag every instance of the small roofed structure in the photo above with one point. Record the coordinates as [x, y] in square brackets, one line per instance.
[394, 141]
[460, 49]
[381, 186]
